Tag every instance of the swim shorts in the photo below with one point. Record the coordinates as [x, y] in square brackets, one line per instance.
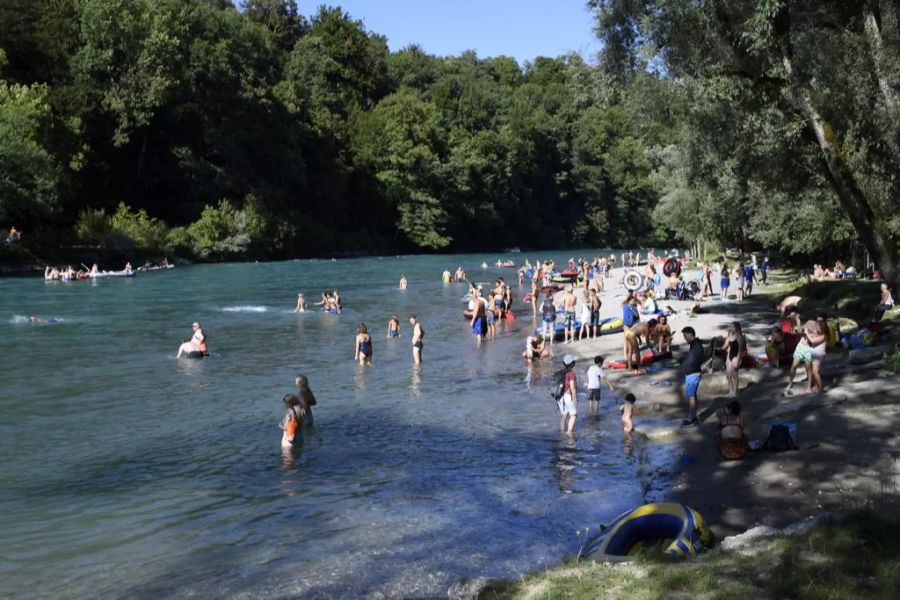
[803, 353]
[691, 384]
[570, 318]
[595, 318]
[566, 405]
[817, 354]
[594, 394]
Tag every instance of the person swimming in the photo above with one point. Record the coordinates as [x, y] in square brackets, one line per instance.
[197, 343]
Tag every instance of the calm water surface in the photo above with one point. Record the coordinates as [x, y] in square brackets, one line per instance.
[128, 473]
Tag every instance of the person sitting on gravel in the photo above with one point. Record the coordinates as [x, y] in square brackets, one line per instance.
[885, 304]
[730, 437]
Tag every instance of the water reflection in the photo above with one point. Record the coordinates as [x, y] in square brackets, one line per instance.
[565, 455]
[415, 381]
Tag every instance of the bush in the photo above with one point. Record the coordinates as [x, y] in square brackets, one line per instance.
[92, 226]
[123, 231]
[223, 230]
[145, 232]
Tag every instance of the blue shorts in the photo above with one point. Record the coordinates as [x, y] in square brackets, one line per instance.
[490, 317]
[725, 283]
[691, 383]
[570, 319]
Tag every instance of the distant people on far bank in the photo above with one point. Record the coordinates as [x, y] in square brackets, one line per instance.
[13, 236]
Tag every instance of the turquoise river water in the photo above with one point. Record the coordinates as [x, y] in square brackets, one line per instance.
[127, 473]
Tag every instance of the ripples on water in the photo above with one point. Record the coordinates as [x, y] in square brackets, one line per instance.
[128, 473]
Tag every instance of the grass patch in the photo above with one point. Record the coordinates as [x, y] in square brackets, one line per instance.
[857, 556]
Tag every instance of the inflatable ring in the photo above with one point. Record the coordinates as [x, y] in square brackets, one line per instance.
[196, 354]
[679, 529]
[672, 265]
[633, 281]
[611, 323]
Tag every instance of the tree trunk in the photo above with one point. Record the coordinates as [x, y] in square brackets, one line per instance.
[855, 204]
[888, 95]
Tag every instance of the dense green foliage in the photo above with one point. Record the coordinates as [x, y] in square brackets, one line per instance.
[788, 130]
[198, 127]
[253, 131]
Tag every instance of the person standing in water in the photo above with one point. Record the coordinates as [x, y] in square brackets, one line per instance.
[418, 335]
[301, 303]
[363, 351]
[568, 402]
[393, 327]
[479, 319]
[291, 422]
[307, 398]
[534, 295]
[596, 376]
[403, 282]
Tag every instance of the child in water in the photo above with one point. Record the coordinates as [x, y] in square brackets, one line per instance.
[627, 410]
[291, 422]
[393, 327]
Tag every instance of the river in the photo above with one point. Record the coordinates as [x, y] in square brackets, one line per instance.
[128, 473]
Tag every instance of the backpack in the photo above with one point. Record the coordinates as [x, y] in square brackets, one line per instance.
[559, 384]
[780, 439]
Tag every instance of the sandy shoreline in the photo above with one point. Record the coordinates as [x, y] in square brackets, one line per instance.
[848, 447]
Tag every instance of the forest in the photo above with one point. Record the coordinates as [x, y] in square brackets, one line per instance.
[215, 131]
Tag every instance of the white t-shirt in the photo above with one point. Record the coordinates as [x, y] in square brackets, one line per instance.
[594, 373]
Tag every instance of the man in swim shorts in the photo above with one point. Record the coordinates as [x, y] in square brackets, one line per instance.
[418, 335]
[692, 368]
[569, 301]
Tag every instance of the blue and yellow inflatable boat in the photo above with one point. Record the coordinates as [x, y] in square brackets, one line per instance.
[677, 530]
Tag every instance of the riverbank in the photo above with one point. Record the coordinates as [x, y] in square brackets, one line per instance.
[852, 556]
[848, 446]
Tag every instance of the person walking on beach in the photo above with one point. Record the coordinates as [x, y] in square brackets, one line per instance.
[764, 270]
[724, 280]
[569, 301]
[568, 402]
[692, 368]
[595, 311]
[418, 335]
[735, 346]
[363, 350]
[749, 278]
[596, 376]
